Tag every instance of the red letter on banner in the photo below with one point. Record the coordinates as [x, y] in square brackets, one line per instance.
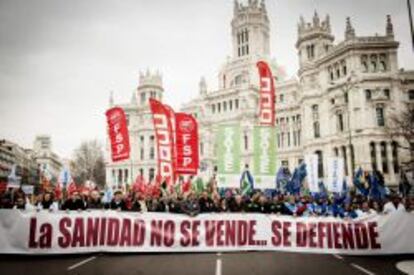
[267, 95]
[118, 133]
[163, 132]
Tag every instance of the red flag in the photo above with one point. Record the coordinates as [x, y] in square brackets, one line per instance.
[173, 136]
[139, 185]
[164, 135]
[58, 191]
[267, 95]
[118, 133]
[186, 186]
[187, 144]
[72, 188]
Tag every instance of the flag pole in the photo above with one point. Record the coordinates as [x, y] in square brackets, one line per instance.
[410, 17]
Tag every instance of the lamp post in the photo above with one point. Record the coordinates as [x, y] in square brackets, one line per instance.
[345, 88]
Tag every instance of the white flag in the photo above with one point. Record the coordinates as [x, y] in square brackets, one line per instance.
[311, 162]
[335, 174]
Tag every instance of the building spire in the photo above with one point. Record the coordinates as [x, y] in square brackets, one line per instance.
[203, 86]
[316, 19]
[390, 28]
[263, 5]
[235, 7]
[134, 97]
[349, 31]
[328, 23]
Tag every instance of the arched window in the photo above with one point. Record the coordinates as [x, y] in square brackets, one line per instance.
[340, 122]
[373, 156]
[315, 112]
[344, 68]
[320, 163]
[364, 63]
[384, 157]
[383, 66]
[238, 80]
[373, 60]
[126, 175]
[380, 116]
[151, 174]
[395, 157]
[119, 176]
[383, 63]
[316, 129]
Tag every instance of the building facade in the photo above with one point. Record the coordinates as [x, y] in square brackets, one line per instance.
[338, 104]
[141, 131]
[26, 167]
[48, 162]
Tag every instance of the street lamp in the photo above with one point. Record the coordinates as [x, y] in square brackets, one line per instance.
[346, 87]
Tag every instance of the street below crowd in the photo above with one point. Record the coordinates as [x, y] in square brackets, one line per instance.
[206, 263]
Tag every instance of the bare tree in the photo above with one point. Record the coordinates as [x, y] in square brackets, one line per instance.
[401, 127]
[88, 163]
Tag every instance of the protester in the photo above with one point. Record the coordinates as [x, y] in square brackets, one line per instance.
[393, 205]
[94, 200]
[359, 202]
[206, 203]
[190, 206]
[118, 203]
[75, 202]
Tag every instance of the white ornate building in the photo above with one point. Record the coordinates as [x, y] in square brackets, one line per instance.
[141, 130]
[337, 105]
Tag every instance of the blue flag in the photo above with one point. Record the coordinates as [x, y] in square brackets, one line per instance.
[282, 178]
[295, 184]
[359, 184]
[377, 187]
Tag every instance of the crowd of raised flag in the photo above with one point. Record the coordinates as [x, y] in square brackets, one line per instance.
[367, 195]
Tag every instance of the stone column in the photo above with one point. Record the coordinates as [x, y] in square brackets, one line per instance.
[348, 160]
[391, 171]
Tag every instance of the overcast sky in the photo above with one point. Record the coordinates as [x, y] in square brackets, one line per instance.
[59, 59]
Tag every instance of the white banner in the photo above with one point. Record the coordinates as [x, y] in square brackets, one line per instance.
[335, 174]
[311, 162]
[110, 231]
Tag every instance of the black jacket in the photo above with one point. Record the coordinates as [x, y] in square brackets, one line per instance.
[73, 205]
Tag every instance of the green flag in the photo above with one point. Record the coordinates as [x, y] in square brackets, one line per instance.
[228, 156]
[264, 157]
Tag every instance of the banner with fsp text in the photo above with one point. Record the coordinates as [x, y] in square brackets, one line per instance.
[186, 141]
[44, 232]
[118, 133]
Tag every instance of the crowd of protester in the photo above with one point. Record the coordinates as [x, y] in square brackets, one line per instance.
[211, 200]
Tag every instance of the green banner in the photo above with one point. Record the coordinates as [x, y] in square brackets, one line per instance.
[228, 155]
[264, 157]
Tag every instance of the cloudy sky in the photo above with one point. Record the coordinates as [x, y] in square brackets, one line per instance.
[59, 59]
